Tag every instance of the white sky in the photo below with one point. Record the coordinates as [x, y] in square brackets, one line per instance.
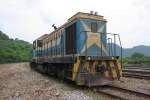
[28, 19]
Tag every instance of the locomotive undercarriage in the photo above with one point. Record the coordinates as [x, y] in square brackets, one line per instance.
[83, 71]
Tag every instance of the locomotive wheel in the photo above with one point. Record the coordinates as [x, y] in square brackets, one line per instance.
[45, 68]
[60, 72]
[32, 65]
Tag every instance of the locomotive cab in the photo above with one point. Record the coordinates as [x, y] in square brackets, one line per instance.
[97, 62]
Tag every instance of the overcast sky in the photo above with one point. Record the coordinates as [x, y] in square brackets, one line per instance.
[28, 19]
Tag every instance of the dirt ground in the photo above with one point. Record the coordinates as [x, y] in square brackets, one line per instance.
[19, 82]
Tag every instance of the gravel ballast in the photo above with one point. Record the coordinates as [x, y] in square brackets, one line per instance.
[19, 82]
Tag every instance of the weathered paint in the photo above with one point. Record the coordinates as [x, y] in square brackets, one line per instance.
[75, 68]
[89, 42]
[89, 71]
[114, 74]
[107, 71]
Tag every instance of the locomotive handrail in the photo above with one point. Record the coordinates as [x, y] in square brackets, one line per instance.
[120, 45]
[110, 46]
[115, 45]
[121, 48]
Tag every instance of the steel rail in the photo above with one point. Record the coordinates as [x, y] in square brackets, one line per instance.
[125, 91]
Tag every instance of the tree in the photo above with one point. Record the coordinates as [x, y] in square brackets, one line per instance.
[14, 50]
[137, 57]
[3, 36]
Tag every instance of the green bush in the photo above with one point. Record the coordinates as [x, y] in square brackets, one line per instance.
[14, 50]
[136, 58]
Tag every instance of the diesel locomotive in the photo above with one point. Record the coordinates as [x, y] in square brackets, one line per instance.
[81, 50]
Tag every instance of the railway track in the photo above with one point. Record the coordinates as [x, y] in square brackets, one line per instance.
[139, 76]
[144, 68]
[122, 93]
[137, 71]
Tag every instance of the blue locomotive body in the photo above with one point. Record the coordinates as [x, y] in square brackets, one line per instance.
[78, 51]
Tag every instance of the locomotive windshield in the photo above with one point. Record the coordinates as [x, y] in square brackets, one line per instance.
[93, 27]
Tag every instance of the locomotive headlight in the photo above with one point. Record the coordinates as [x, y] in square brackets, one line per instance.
[89, 58]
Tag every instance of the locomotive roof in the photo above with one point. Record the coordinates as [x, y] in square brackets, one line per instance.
[42, 37]
[86, 16]
[73, 18]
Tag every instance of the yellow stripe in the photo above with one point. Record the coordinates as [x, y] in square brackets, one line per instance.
[120, 68]
[106, 72]
[93, 67]
[75, 68]
[86, 66]
[113, 69]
